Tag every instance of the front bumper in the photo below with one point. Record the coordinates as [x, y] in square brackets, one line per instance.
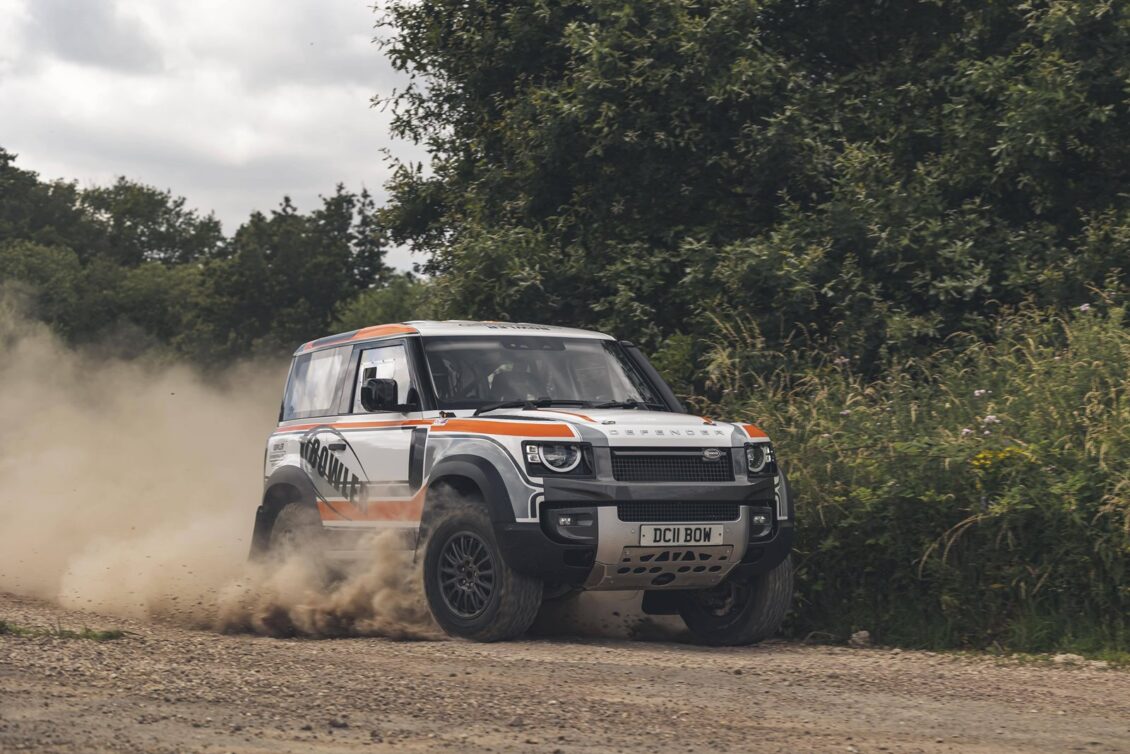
[604, 552]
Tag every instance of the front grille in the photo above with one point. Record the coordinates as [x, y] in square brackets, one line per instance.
[658, 512]
[680, 465]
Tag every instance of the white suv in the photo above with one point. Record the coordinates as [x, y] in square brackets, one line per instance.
[524, 462]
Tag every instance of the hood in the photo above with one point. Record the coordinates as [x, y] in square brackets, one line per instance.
[628, 427]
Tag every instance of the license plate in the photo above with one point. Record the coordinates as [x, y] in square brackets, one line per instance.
[659, 535]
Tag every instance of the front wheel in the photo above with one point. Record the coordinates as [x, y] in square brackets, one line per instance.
[471, 591]
[740, 611]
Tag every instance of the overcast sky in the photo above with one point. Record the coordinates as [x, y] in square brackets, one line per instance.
[229, 103]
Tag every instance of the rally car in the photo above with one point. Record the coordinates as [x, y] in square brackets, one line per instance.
[523, 462]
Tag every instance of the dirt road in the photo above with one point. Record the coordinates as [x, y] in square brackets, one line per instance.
[167, 689]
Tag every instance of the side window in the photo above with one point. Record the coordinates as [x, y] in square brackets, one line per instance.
[385, 363]
[313, 383]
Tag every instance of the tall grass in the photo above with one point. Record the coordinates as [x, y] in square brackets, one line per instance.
[976, 497]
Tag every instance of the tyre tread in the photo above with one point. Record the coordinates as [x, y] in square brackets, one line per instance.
[773, 595]
[520, 595]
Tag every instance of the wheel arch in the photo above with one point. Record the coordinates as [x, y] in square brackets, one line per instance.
[470, 477]
[287, 484]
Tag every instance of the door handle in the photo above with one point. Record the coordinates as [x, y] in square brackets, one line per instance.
[336, 446]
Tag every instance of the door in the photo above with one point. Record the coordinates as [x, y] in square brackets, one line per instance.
[382, 440]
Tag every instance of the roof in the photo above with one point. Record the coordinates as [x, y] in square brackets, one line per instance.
[472, 327]
[450, 327]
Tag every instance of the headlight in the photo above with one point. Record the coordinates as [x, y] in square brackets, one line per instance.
[560, 458]
[759, 458]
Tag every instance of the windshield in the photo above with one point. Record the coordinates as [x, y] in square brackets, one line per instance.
[473, 372]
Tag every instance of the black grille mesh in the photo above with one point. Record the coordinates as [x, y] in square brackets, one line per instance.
[685, 466]
[658, 512]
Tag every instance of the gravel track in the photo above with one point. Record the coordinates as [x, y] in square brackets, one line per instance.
[168, 689]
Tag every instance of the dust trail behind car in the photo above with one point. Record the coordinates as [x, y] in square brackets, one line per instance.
[128, 488]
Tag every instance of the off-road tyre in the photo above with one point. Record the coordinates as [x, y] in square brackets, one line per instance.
[296, 530]
[739, 612]
[460, 547]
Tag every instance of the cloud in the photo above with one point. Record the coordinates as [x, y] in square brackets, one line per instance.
[230, 104]
[91, 33]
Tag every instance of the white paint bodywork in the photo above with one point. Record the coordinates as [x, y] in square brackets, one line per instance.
[474, 327]
[382, 452]
[377, 445]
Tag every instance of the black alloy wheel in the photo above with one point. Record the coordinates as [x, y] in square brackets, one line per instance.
[471, 590]
[466, 574]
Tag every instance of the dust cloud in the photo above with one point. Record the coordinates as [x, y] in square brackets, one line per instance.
[378, 596]
[129, 488]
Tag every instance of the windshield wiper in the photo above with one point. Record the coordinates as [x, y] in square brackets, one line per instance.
[529, 405]
[630, 404]
[504, 404]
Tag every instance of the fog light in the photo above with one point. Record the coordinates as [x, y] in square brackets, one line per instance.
[566, 521]
[759, 519]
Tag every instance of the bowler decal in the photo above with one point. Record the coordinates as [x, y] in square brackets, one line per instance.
[330, 460]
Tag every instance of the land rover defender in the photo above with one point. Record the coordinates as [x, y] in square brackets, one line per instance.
[523, 462]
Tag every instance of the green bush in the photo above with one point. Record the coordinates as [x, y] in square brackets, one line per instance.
[979, 496]
[402, 298]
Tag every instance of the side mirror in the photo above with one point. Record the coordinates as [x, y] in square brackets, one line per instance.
[379, 395]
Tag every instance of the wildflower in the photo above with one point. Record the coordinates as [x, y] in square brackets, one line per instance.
[845, 412]
[825, 436]
[966, 431]
[980, 393]
[1084, 307]
[991, 419]
[841, 360]
[986, 459]
[986, 432]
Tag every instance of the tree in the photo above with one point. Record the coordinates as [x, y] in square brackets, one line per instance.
[403, 297]
[283, 278]
[878, 175]
[146, 224]
[50, 277]
[45, 213]
[133, 257]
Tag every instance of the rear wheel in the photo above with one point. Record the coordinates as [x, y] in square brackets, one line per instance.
[740, 611]
[297, 530]
[297, 535]
[471, 591]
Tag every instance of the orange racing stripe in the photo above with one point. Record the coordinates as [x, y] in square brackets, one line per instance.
[375, 510]
[478, 426]
[568, 413]
[754, 432]
[508, 428]
[355, 425]
[377, 331]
